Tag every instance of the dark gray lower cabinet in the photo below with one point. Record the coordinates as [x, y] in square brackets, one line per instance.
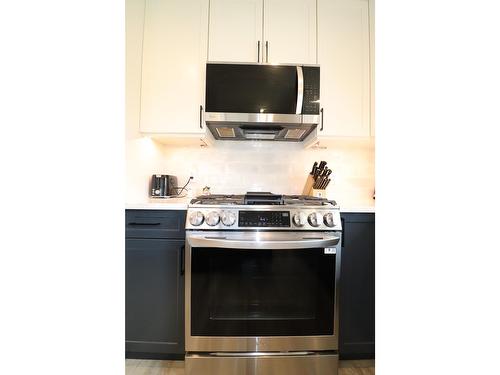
[357, 288]
[154, 297]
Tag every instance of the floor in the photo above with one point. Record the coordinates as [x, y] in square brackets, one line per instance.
[153, 367]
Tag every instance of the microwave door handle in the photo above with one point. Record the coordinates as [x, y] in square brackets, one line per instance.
[235, 243]
[300, 90]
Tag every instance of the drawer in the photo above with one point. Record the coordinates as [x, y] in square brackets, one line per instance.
[155, 224]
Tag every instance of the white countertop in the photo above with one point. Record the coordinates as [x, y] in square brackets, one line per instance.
[160, 204]
[182, 203]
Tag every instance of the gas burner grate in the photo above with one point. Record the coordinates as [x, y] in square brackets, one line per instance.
[306, 200]
[219, 199]
[260, 198]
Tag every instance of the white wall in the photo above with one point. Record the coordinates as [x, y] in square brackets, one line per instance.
[142, 154]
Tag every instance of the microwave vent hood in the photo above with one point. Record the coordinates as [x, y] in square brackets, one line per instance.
[262, 101]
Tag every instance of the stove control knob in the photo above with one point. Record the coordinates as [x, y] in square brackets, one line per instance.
[299, 219]
[196, 218]
[328, 220]
[213, 218]
[228, 218]
[314, 219]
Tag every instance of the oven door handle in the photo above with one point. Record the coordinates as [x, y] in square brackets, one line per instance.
[246, 243]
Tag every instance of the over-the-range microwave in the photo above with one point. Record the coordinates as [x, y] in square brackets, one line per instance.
[262, 101]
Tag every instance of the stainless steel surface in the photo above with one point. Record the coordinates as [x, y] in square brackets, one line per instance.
[317, 364]
[284, 127]
[228, 218]
[299, 219]
[261, 240]
[213, 218]
[314, 219]
[310, 119]
[328, 220]
[195, 218]
[271, 118]
[257, 354]
[205, 209]
[264, 118]
[259, 343]
[300, 90]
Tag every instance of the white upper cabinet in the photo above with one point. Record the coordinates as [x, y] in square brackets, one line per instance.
[274, 31]
[344, 57]
[235, 30]
[173, 66]
[290, 31]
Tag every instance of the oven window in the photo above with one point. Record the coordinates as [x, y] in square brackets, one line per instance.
[237, 292]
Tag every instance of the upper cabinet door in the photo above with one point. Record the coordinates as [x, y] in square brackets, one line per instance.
[344, 56]
[235, 31]
[173, 66]
[290, 31]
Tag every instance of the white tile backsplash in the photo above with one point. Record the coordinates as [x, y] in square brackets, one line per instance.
[238, 167]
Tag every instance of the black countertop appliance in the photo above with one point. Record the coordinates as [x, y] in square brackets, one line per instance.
[163, 185]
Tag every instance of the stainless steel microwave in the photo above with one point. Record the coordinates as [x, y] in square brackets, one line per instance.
[262, 101]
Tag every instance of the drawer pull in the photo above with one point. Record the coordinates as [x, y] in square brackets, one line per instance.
[144, 223]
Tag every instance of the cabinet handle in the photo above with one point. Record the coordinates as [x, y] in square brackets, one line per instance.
[181, 267]
[258, 51]
[201, 116]
[267, 51]
[144, 223]
[321, 129]
[343, 232]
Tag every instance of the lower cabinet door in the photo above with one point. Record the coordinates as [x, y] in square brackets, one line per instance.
[154, 298]
[357, 287]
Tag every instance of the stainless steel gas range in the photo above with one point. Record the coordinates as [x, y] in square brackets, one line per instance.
[262, 274]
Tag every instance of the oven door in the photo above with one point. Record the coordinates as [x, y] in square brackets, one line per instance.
[262, 291]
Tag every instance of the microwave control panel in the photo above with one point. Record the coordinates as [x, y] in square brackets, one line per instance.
[310, 104]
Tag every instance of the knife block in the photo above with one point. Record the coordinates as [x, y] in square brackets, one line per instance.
[309, 185]
[308, 189]
[318, 193]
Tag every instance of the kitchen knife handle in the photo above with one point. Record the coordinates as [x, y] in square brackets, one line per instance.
[314, 168]
[267, 51]
[321, 129]
[201, 116]
[258, 51]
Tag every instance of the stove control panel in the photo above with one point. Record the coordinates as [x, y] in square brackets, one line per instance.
[248, 218]
[272, 219]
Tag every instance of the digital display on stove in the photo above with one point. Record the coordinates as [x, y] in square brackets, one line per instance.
[266, 219]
